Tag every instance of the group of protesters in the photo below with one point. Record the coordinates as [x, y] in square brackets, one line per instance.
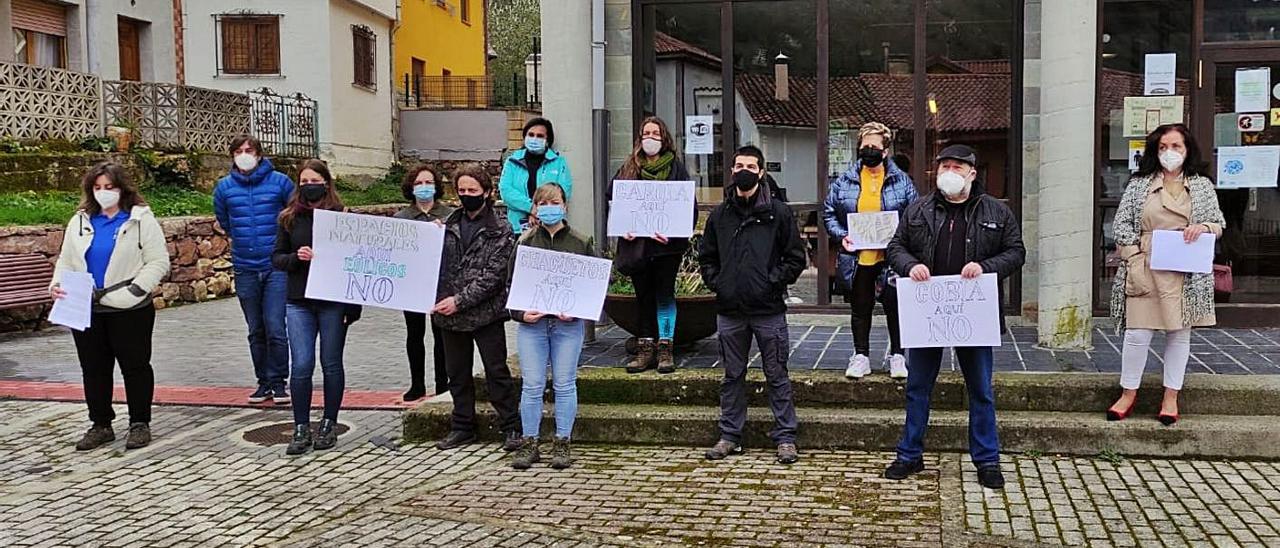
[750, 251]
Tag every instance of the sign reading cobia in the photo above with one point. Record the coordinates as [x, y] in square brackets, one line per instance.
[949, 311]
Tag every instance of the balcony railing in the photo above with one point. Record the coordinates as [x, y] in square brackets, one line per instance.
[465, 92]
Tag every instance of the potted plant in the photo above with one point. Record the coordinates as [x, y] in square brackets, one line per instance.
[121, 131]
[695, 304]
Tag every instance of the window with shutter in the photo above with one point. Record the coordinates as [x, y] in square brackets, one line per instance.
[250, 44]
[466, 10]
[364, 50]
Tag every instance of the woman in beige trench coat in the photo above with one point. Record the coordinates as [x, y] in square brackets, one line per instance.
[1169, 192]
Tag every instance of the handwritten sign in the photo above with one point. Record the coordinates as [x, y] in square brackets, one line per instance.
[645, 208]
[872, 230]
[552, 282]
[949, 311]
[375, 261]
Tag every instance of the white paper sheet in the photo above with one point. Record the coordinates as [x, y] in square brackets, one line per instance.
[552, 282]
[645, 208]
[375, 261]
[1253, 90]
[1170, 252]
[949, 311]
[699, 134]
[1248, 166]
[872, 230]
[1159, 76]
[74, 310]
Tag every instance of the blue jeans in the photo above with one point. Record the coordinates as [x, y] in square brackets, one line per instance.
[307, 320]
[549, 340]
[262, 298]
[975, 364]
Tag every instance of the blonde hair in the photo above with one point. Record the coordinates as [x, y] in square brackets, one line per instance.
[875, 128]
[549, 191]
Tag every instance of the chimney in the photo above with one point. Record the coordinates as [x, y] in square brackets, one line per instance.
[888, 64]
[781, 78]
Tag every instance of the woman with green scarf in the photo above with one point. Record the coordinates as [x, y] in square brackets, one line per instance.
[652, 263]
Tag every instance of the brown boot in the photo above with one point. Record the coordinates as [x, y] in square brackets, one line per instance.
[666, 363]
[645, 357]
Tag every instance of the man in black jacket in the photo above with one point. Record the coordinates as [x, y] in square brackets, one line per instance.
[751, 251]
[958, 229]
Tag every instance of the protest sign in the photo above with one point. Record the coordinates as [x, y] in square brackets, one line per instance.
[375, 261]
[949, 311]
[645, 208]
[872, 230]
[552, 282]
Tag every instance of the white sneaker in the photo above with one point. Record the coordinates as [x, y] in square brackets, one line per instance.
[859, 366]
[898, 366]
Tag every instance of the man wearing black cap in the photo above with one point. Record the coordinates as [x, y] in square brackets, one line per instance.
[958, 229]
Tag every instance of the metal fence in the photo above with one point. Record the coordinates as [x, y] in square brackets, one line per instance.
[465, 92]
[285, 124]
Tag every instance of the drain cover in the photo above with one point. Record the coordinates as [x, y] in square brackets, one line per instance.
[281, 433]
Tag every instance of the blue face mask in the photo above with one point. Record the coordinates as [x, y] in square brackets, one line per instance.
[550, 215]
[536, 145]
[424, 193]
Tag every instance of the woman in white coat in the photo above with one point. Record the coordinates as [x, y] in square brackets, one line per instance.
[115, 237]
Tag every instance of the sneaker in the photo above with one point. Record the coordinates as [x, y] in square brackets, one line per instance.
[859, 366]
[326, 438]
[898, 366]
[991, 477]
[560, 456]
[900, 469]
[722, 449]
[455, 440]
[280, 395]
[527, 454]
[139, 436]
[96, 437]
[260, 395]
[513, 441]
[787, 453]
[301, 441]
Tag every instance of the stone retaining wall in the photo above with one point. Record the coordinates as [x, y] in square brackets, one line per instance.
[52, 171]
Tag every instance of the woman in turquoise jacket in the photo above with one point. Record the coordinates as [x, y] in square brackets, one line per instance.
[529, 168]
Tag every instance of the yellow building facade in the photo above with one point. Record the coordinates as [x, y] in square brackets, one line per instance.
[440, 38]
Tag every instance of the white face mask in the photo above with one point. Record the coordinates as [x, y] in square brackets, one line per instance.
[107, 198]
[1171, 160]
[651, 146]
[246, 162]
[951, 184]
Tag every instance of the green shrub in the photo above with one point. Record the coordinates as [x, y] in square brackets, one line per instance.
[55, 207]
[688, 278]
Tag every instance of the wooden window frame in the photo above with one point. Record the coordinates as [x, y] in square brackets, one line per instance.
[364, 76]
[257, 22]
[29, 37]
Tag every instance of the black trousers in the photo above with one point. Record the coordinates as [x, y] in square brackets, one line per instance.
[415, 346]
[123, 337]
[459, 348]
[863, 299]
[654, 283]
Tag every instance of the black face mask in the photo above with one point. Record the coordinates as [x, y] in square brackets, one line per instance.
[313, 193]
[472, 203]
[745, 180]
[871, 157]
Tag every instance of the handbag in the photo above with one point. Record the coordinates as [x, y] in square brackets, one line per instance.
[1223, 282]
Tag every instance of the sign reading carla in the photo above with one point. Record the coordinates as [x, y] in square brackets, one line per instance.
[375, 261]
[552, 282]
[949, 311]
[645, 208]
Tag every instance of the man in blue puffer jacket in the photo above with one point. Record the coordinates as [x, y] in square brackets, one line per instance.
[247, 202]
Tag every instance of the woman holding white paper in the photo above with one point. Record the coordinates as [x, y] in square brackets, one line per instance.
[1171, 191]
[115, 238]
[873, 183]
[652, 263]
[543, 338]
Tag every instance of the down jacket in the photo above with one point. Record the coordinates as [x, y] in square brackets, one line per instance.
[476, 277]
[140, 255]
[842, 199]
[247, 207]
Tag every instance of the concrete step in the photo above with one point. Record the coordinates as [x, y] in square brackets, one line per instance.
[1201, 436]
[1065, 392]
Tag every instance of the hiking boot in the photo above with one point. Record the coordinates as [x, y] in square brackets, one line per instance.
[280, 395]
[326, 438]
[787, 453]
[456, 439]
[527, 454]
[260, 395]
[722, 449]
[95, 437]
[560, 456]
[139, 436]
[900, 469]
[646, 357]
[301, 441]
[666, 363]
[991, 477]
[513, 441]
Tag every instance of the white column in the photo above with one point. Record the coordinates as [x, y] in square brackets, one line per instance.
[1067, 162]
[566, 97]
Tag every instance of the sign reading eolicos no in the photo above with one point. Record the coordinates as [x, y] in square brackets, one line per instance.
[375, 261]
[645, 208]
[552, 282]
[949, 311]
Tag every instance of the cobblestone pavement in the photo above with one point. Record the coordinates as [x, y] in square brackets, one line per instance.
[202, 484]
